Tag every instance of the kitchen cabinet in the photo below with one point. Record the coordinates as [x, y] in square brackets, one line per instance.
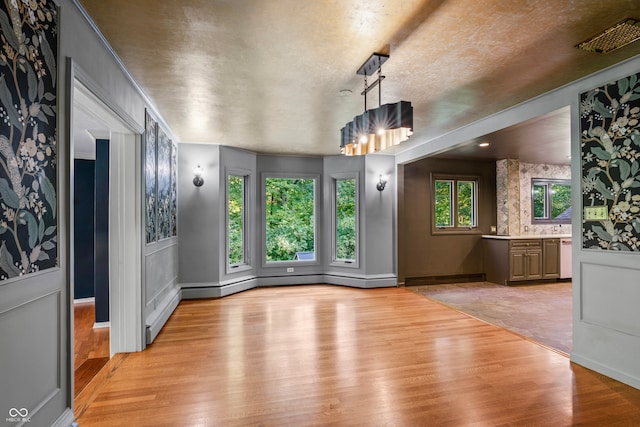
[551, 258]
[509, 259]
[525, 260]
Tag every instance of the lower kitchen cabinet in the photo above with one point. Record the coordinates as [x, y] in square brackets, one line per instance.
[515, 259]
[525, 260]
[551, 258]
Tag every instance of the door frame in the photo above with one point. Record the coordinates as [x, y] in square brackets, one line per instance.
[126, 293]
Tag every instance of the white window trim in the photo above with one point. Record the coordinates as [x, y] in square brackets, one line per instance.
[246, 213]
[548, 200]
[455, 229]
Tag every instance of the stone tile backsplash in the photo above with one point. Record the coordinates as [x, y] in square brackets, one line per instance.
[513, 190]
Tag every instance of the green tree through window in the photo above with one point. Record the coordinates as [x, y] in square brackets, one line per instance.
[289, 218]
[455, 204]
[539, 198]
[345, 219]
[466, 204]
[551, 200]
[235, 212]
[560, 199]
[444, 193]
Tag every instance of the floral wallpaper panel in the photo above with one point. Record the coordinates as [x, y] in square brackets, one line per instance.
[28, 137]
[610, 152]
[174, 190]
[160, 176]
[164, 185]
[151, 128]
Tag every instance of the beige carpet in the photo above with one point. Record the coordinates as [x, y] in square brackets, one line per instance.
[541, 312]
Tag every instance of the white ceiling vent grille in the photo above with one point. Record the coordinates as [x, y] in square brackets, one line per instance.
[613, 38]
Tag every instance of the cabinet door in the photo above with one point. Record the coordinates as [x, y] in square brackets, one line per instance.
[517, 265]
[551, 258]
[534, 264]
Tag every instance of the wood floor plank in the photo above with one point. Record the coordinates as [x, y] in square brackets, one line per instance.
[325, 355]
[91, 345]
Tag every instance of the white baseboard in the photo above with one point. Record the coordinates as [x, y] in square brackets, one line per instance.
[606, 370]
[66, 419]
[218, 290]
[84, 300]
[156, 320]
[99, 325]
[302, 279]
[366, 282]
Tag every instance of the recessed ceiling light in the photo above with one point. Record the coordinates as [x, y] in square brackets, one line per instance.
[345, 92]
[483, 144]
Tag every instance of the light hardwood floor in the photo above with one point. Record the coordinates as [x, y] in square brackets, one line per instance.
[328, 355]
[91, 346]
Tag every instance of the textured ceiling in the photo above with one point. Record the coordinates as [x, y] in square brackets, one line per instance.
[545, 140]
[266, 75]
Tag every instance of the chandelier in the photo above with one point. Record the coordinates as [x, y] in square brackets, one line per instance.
[378, 128]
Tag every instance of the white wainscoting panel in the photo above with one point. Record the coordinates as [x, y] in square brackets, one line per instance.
[610, 303]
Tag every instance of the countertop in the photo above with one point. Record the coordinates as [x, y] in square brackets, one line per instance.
[527, 236]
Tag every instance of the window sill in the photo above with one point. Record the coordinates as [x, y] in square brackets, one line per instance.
[459, 231]
[344, 264]
[232, 269]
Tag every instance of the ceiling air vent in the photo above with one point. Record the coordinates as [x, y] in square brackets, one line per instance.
[613, 38]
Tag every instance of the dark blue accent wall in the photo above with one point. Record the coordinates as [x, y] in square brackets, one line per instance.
[83, 237]
[102, 230]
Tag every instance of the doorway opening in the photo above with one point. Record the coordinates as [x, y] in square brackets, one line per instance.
[105, 166]
[468, 269]
[91, 243]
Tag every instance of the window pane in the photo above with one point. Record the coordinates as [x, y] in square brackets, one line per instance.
[539, 201]
[290, 219]
[345, 219]
[561, 201]
[466, 204]
[235, 206]
[443, 203]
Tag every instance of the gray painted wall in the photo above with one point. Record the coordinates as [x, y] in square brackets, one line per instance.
[202, 218]
[379, 218]
[161, 290]
[203, 270]
[199, 215]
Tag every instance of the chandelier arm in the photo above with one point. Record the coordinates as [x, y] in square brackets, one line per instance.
[365, 92]
[380, 84]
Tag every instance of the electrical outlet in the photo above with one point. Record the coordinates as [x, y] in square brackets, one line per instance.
[290, 269]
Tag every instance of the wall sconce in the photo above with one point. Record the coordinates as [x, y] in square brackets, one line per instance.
[383, 182]
[197, 179]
